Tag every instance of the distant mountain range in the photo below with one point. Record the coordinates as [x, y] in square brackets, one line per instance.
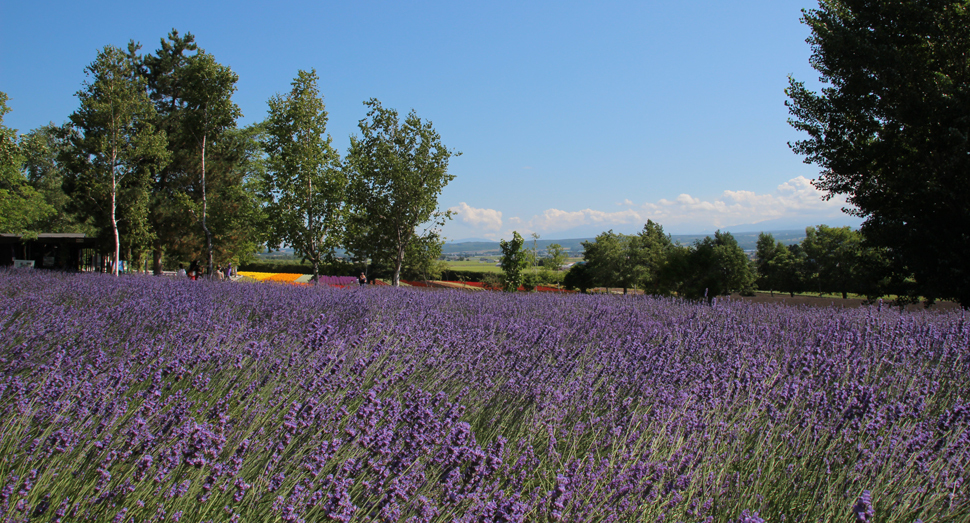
[747, 240]
[574, 246]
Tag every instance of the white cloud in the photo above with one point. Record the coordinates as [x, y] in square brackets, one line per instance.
[484, 219]
[795, 200]
[553, 220]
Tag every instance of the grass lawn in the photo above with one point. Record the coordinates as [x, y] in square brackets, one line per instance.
[474, 265]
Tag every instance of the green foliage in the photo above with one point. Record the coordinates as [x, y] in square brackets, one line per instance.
[304, 184]
[647, 254]
[112, 150]
[209, 114]
[555, 257]
[22, 208]
[491, 281]
[165, 71]
[579, 277]
[828, 260]
[637, 261]
[329, 267]
[421, 258]
[203, 203]
[832, 256]
[787, 270]
[514, 262]
[236, 215]
[396, 172]
[716, 266]
[890, 130]
[41, 149]
[606, 258]
[766, 251]
[550, 277]
[466, 275]
[530, 280]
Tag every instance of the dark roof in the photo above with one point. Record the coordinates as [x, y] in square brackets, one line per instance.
[51, 235]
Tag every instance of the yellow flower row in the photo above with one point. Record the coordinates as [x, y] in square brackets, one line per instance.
[281, 277]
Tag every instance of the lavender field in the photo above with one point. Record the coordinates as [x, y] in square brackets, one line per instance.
[150, 399]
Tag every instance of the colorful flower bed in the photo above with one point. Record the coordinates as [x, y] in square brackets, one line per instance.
[151, 399]
[270, 276]
[292, 278]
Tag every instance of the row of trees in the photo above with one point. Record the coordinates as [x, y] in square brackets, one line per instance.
[834, 260]
[652, 262]
[829, 260]
[154, 164]
[890, 131]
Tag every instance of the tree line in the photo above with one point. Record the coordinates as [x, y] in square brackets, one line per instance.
[651, 262]
[154, 165]
[829, 260]
[889, 130]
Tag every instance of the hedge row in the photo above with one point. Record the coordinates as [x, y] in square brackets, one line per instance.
[330, 269]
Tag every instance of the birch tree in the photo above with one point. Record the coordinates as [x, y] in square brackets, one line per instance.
[396, 170]
[113, 147]
[304, 179]
[209, 113]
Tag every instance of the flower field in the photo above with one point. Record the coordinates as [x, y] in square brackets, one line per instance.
[153, 399]
[292, 278]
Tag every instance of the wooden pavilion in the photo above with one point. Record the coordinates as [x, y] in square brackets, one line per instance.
[61, 251]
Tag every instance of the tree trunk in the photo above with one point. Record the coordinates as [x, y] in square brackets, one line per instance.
[157, 257]
[114, 219]
[396, 279]
[399, 260]
[205, 228]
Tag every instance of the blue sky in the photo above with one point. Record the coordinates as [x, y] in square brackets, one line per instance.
[572, 117]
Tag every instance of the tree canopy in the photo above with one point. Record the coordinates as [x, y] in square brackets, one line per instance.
[396, 171]
[891, 129]
[22, 208]
[515, 260]
[114, 147]
[305, 180]
[716, 266]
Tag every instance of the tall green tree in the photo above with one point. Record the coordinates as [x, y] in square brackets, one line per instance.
[237, 214]
[766, 251]
[210, 114]
[579, 277]
[717, 266]
[788, 270]
[205, 203]
[648, 253]
[165, 71]
[305, 182]
[421, 259]
[834, 256]
[515, 260]
[396, 172]
[42, 148]
[607, 260]
[555, 257]
[891, 131]
[22, 208]
[114, 148]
